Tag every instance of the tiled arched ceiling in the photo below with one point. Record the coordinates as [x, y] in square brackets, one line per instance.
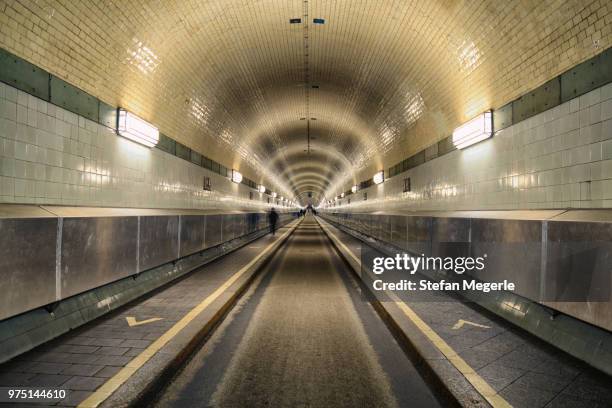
[233, 78]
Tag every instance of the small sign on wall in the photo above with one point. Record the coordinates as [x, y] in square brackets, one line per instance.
[407, 185]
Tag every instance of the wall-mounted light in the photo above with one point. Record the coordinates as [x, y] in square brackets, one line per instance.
[236, 176]
[261, 188]
[474, 131]
[342, 195]
[273, 194]
[136, 129]
[354, 189]
[379, 177]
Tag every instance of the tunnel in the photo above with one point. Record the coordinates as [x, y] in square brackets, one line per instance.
[306, 203]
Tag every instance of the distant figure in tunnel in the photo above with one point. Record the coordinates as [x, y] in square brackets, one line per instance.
[273, 218]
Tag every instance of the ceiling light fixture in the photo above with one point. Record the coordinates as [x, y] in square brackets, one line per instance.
[379, 177]
[474, 131]
[236, 176]
[136, 129]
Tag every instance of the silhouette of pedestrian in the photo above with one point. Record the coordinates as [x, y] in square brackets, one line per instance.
[273, 218]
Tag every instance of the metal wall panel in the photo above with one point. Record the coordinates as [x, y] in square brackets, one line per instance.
[229, 227]
[502, 117]
[23, 75]
[252, 222]
[183, 151]
[579, 263]
[192, 233]
[241, 224]
[74, 99]
[27, 264]
[158, 241]
[450, 237]
[363, 224]
[263, 221]
[544, 97]
[513, 251]
[214, 233]
[107, 115]
[577, 254]
[419, 235]
[384, 229]
[96, 251]
[446, 145]
[398, 231]
[587, 76]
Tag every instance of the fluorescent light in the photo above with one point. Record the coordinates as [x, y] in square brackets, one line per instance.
[379, 177]
[273, 194]
[236, 176]
[262, 189]
[136, 129]
[474, 131]
[354, 189]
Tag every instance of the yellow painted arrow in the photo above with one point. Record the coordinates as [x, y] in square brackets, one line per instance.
[460, 323]
[131, 321]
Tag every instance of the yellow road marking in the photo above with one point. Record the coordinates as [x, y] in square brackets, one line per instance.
[126, 372]
[464, 368]
[131, 321]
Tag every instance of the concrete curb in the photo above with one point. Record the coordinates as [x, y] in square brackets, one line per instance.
[454, 388]
[153, 376]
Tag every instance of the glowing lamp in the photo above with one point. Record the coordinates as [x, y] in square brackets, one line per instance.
[136, 129]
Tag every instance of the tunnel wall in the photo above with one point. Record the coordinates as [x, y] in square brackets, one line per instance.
[560, 158]
[50, 254]
[540, 249]
[52, 156]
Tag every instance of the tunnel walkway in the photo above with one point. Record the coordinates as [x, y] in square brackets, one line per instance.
[283, 322]
[301, 337]
[93, 361]
[518, 369]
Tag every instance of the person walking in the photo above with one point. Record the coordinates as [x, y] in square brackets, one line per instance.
[273, 219]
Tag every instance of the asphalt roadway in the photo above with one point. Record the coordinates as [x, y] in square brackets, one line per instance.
[302, 336]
